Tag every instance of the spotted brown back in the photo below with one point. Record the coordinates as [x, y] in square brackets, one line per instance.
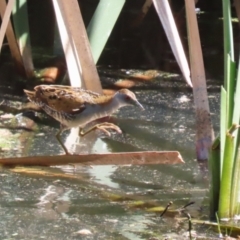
[62, 98]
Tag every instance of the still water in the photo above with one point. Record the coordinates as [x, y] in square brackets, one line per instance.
[104, 202]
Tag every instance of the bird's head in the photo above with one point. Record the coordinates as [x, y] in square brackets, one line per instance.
[126, 97]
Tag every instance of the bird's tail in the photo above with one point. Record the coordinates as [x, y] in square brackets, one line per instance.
[31, 96]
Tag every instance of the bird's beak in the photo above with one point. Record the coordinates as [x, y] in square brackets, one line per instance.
[137, 103]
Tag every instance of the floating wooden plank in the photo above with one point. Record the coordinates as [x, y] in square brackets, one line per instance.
[124, 158]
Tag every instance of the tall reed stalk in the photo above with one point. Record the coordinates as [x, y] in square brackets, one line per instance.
[225, 154]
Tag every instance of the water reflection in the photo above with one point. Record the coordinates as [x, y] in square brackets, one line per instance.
[64, 200]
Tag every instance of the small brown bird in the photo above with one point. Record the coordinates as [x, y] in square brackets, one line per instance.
[76, 107]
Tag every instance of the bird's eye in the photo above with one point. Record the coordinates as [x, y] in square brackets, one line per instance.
[127, 98]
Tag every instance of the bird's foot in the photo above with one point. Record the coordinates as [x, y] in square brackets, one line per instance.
[105, 126]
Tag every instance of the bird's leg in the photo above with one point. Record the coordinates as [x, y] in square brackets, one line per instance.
[60, 141]
[101, 126]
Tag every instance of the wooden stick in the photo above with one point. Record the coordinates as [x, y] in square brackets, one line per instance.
[124, 158]
[76, 45]
[13, 45]
[205, 134]
[5, 19]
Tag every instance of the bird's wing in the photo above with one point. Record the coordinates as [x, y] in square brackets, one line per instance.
[64, 98]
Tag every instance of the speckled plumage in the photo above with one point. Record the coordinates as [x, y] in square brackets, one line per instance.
[76, 107]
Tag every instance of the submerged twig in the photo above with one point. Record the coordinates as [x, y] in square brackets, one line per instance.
[218, 226]
[165, 210]
[16, 128]
[189, 225]
[188, 204]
